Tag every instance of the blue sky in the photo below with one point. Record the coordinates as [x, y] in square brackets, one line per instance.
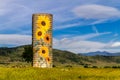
[79, 26]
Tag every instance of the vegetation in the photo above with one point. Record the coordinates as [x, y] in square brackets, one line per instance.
[15, 64]
[59, 74]
[28, 54]
[23, 55]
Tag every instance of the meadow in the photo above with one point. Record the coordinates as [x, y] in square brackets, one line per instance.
[67, 66]
[61, 73]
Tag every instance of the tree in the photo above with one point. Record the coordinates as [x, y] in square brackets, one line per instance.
[28, 53]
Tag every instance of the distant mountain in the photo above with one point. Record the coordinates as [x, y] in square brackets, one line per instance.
[104, 53]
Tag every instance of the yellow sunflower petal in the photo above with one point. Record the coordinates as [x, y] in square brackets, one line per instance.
[39, 34]
[44, 51]
[48, 60]
[47, 38]
[43, 22]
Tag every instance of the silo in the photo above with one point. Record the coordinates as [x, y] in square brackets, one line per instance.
[42, 40]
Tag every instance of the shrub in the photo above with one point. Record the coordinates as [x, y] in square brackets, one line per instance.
[28, 54]
[68, 66]
[94, 67]
[86, 66]
[107, 67]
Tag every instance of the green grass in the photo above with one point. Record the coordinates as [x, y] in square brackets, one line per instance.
[74, 73]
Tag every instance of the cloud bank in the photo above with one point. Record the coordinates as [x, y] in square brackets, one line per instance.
[116, 44]
[15, 39]
[95, 11]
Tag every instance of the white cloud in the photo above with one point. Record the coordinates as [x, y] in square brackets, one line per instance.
[91, 14]
[3, 12]
[116, 44]
[15, 39]
[88, 36]
[79, 44]
[84, 46]
[67, 26]
[95, 11]
[15, 14]
[116, 34]
[18, 13]
[95, 29]
[98, 21]
[3, 8]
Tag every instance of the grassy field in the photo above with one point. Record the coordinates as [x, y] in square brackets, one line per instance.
[74, 73]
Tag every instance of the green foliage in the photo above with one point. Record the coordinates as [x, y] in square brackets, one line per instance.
[107, 66]
[28, 54]
[94, 67]
[115, 66]
[60, 58]
[10, 55]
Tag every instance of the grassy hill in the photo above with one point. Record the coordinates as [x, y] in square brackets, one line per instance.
[60, 58]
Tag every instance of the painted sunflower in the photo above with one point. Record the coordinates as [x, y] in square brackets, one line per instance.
[47, 38]
[43, 51]
[48, 60]
[39, 34]
[43, 22]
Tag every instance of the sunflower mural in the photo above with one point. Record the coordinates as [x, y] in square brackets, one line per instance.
[42, 40]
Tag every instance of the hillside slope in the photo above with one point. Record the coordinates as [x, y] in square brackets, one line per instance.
[59, 57]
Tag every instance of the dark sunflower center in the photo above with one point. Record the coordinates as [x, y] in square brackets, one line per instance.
[48, 59]
[43, 51]
[39, 33]
[47, 38]
[43, 23]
